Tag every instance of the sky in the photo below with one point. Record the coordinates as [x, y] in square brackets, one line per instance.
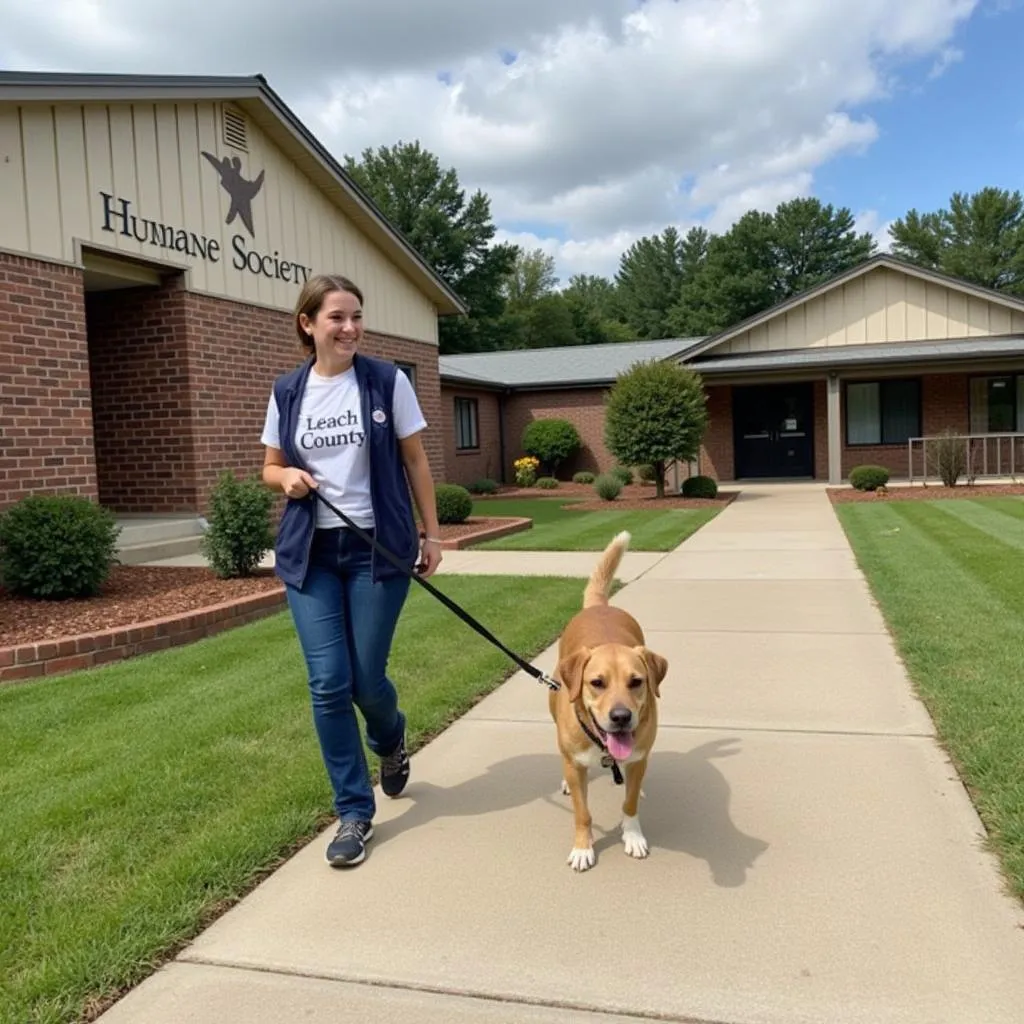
[591, 123]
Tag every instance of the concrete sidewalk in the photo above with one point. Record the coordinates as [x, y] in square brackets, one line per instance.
[814, 858]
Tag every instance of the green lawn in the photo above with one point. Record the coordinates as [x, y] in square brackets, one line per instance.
[560, 529]
[138, 800]
[949, 577]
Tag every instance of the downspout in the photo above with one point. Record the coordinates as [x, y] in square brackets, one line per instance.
[501, 434]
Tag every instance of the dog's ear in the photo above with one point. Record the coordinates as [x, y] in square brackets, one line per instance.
[657, 667]
[570, 671]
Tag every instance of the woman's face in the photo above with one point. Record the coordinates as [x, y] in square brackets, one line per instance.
[337, 328]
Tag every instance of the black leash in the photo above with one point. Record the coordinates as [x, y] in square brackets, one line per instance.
[541, 677]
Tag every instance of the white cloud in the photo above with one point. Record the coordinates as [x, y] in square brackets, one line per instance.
[871, 222]
[616, 117]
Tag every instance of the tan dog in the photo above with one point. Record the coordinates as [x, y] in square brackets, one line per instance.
[610, 683]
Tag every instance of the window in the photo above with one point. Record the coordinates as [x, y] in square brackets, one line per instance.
[997, 404]
[466, 435]
[883, 412]
[410, 371]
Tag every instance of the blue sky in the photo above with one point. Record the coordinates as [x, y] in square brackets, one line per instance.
[961, 131]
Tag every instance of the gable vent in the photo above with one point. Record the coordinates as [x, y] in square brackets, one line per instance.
[234, 130]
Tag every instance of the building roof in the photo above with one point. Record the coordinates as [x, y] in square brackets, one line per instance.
[272, 115]
[873, 263]
[852, 356]
[564, 366]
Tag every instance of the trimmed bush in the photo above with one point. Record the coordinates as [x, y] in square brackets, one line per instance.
[453, 502]
[623, 474]
[868, 478]
[608, 486]
[547, 483]
[240, 531]
[484, 486]
[584, 476]
[646, 473]
[699, 487]
[552, 441]
[56, 547]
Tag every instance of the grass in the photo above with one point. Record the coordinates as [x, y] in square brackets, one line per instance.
[141, 799]
[947, 576]
[560, 529]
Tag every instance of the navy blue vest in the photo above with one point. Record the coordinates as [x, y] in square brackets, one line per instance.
[389, 490]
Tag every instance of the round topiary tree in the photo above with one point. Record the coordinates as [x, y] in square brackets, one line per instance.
[552, 441]
[655, 412]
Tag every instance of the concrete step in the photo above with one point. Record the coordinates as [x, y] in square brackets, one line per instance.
[150, 538]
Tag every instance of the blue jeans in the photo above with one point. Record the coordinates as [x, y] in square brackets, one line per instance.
[345, 623]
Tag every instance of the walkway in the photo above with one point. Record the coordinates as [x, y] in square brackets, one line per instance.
[814, 859]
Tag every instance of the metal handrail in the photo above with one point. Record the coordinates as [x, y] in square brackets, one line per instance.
[975, 464]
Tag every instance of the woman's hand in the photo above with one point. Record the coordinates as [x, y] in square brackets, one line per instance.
[296, 483]
[430, 557]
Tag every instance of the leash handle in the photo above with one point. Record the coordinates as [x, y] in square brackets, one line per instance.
[541, 677]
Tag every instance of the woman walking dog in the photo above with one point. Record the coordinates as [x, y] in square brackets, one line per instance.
[350, 426]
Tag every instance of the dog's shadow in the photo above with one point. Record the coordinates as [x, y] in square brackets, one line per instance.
[685, 809]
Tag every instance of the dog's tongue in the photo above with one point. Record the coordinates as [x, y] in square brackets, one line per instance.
[620, 744]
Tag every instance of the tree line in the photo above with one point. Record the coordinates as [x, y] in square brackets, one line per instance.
[670, 284]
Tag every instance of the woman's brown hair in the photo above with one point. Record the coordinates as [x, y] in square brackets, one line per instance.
[312, 296]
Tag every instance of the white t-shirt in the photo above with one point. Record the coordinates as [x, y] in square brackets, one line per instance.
[332, 442]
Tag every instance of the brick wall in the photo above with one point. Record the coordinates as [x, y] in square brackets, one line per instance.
[45, 408]
[177, 384]
[464, 467]
[584, 408]
[717, 453]
[944, 405]
[236, 351]
[142, 402]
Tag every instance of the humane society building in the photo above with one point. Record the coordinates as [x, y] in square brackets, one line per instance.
[154, 236]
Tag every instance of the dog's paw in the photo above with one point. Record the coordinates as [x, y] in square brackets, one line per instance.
[633, 840]
[564, 788]
[581, 858]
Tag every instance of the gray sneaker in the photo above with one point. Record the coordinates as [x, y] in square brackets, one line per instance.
[348, 847]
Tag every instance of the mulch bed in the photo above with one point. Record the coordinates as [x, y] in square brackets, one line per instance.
[842, 495]
[132, 594]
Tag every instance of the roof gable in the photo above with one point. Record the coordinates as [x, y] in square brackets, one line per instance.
[883, 300]
[273, 117]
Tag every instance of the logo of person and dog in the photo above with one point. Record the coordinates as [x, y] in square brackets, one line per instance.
[242, 192]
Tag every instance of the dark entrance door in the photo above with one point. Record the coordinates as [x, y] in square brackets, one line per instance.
[773, 427]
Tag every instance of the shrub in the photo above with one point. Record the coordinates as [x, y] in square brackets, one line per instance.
[552, 441]
[56, 547]
[453, 502]
[484, 486]
[608, 486]
[655, 412]
[584, 476]
[699, 487]
[547, 483]
[623, 474]
[526, 470]
[948, 456]
[240, 531]
[868, 478]
[646, 473]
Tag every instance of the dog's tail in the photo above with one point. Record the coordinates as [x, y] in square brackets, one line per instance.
[600, 582]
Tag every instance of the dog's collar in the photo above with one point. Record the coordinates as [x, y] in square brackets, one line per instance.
[607, 760]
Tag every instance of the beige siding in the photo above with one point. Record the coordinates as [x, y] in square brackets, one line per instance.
[878, 307]
[56, 163]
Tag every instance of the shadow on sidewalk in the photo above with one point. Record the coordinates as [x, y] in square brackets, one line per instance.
[685, 809]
